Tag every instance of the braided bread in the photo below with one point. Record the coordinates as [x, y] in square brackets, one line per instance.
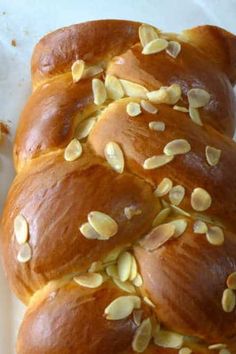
[119, 229]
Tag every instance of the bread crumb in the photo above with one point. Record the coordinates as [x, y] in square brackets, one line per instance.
[13, 42]
[4, 129]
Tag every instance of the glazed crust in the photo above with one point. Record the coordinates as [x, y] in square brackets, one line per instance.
[186, 276]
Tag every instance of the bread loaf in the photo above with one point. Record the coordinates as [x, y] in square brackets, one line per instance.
[119, 232]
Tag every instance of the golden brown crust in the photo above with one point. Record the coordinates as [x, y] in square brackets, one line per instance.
[185, 277]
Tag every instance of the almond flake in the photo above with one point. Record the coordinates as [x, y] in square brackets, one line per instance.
[180, 109]
[169, 95]
[124, 265]
[156, 161]
[132, 89]
[147, 34]
[112, 271]
[99, 91]
[113, 87]
[77, 70]
[173, 49]
[137, 316]
[176, 194]
[155, 46]
[167, 339]
[161, 217]
[122, 307]
[113, 255]
[198, 97]
[133, 109]
[103, 224]
[96, 267]
[89, 280]
[133, 270]
[185, 350]
[228, 300]
[88, 231]
[25, 253]
[132, 211]
[224, 351]
[200, 199]
[215, 235]
[148, 107]
[195, 116]
[138, 281]
[73, 150]
[142, 336]
[163, 187]
[212, 155]
[177, 147]
[114, 156]
[92, 71]
[157, 126]
[179, 211]
[180, 226]
[200, 227]
[85, 127]
[148, 302]
[125, 286]
[157, 237]
[217, 346]
[231, 281]
[21, 229]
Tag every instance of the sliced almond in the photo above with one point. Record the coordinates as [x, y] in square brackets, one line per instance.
[25, 253]
[157, 126]
[200, 227]
[180, 109]
[132, 89]
[133, 270]
[212, 155]
[200, 199]
[195, 115]
[132, 211]
[73, 150]
[133, 109]
[103, 224]
[161, 217]
[224, 351]
[99, 91]
[168, 339]
[77, 70]
[185, 350]
[157, 237]
[85, 127]
[122, 307]
[147, 34]
[163, 187]
[114, 88]
[88, 231]
[114, 156]
[148, 107]
[138, 281]
[155, 46]
[177, 147]
[142, 336]
[125, 286]
[176, 194]
[231, 281]
[113, 255]
[169, 95]
[89, 280]
[96, 267]
[215, 235]
[21, 229]
[137, 315]
[198, 97]
[217, 346]
[173, 49]
[148, 302]
[156, 161]
[124, 265]
[92, 71]
[180, 226]
[228, 300]
[179, 211]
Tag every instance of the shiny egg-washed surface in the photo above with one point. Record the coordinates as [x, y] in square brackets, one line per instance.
[186, 276]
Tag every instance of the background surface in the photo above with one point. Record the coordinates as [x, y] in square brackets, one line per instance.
[25, 21]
